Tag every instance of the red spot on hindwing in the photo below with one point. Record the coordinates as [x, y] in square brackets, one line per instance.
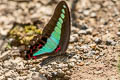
[58, 49]
[34, 57]
[30, 50]
[29, 56]
[34, 47]
[40, 45]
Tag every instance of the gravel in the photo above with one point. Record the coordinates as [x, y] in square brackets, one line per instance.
[93, 47]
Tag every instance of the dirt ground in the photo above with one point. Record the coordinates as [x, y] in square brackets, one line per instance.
[95, 38]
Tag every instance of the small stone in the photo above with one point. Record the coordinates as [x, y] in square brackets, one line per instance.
[45, 2]
[118, 33]
[98, 41]
[83, 27]
[92, 52]
[93, 46]
[4, 55]
[96, 7]
[89, 31]
[71, 64]
[9, 73]
[9, 79]
[74, 38]
[38, 76]
[98, 72]
[60, 73]
[93, 15]
[19, 78]
[72, 60]
[97, 57]
[49, 66]
[74, 29]
[70, 47]
[110, 42]
[81, 63]
[16, 60]
[87, 63]
[60, 65]
[82, 32]
[53, 63]
[20, 65]
[101, 54]
[2, 77]
[78, 47]
[84, 47]
[54, 74]
[68, 72]
[8, 64]
[66, 77]
[76, 57]
[86, 12]
[118, 19]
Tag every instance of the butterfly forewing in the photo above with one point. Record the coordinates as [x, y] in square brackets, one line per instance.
[65, 30]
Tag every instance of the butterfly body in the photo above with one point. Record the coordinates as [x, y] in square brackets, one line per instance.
[56, 34]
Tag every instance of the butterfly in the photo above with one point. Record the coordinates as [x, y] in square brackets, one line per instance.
[55, 36]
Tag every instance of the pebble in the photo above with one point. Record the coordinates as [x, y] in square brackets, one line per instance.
[98, 72]
[93, 15]
[9, 79]
[66, 77]
[74, 29]
[118, 33]
[4, 55]
[2, 77]
[70, 47]
[38, 76]
[76, 57]
[45, 2]
[19, 78]
[60, 73]
[96, 7]
[71, 64]
[74, 38]
[92, 53]
[54, 74]
[68, 72]
[73, 60]
[8, 64]
[16, 60]
[54, 63]
[81, 63]
[82, 32]
[97, 57]
[10, 73]
[60, 65]
[86, 12]
[98, 40]
[118, 19]
[83, 27]
[20, 65]
[89, 31]
[77, 47]
[110, 42]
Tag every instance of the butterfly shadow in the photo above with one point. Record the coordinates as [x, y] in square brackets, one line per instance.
[56, 58]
